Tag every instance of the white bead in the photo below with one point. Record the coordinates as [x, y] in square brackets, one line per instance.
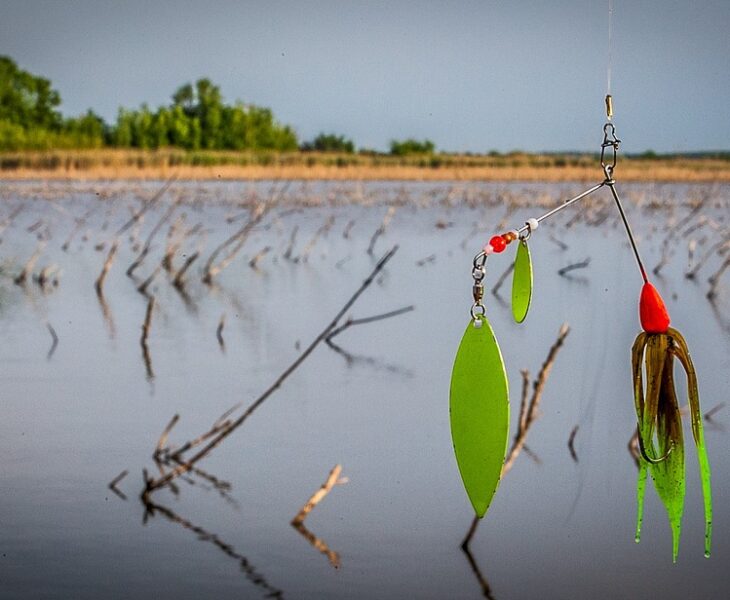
[533, 224]
[488, 249]
[477, 323]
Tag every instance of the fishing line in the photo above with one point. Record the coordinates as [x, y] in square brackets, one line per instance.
[610, 49]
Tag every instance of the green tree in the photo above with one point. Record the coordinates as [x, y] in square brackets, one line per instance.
[86, 131]
[123, 133]
[179, 127]
[161, 127]
[411, 146]
[325, 142]
[27, 100]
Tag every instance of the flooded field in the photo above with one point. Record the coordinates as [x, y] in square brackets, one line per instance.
[83, 399]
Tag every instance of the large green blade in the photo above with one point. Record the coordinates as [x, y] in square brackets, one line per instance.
[479, 407]
[522, 282]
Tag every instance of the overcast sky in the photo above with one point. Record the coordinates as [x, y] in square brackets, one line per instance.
[468, 75]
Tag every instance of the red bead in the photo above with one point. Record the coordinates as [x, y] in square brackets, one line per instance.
[652, 312]
[498, 243]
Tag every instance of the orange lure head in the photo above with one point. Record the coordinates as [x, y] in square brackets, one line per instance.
[652, 311]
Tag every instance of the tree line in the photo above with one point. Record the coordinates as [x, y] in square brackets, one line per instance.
[196, 119]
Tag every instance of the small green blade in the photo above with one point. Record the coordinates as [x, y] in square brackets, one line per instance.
[522, 282]
[479, 407]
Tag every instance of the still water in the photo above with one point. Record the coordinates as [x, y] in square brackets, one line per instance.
[73, 416]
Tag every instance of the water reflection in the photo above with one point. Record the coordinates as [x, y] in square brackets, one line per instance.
[203, 535]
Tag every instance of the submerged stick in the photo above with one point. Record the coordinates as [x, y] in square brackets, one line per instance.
[146, 206]
[145, 334]
[714, 279]
[142, 289]
[322, 231]
[254, 262]
[298, 521]
[292, 240]
[572, 267]
[21, 278]
[179, 279]
[237, 240]
[332, 479]
[362, 321]
[99, 284]
[148, 242]
[381, 229]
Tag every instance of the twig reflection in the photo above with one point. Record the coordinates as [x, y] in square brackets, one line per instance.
[249, 571]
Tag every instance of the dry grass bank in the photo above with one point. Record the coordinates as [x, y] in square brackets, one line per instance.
[160, 164]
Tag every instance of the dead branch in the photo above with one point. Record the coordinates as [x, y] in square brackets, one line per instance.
[579, 265]
[352, 322]
[713, 411]
[136, 216]
[46, 276]
[254, 262]
[322, 231]
[175, 238]
[80, 222]
[145, 334]
[21, 277]
[670, 235]
[142, 288]
[720, 246]
[148, 242]
[292, 240]
[381, 229]
[35, 226]
[179, 279]
[714, 279]
[348, 229]
[332, 480]
[152, 485]
[99, 284]
[237, 240]
[298, 521]
[7, 221]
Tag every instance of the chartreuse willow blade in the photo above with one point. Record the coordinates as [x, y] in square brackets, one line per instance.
[479, 407]
[522, 282]
[658, 414]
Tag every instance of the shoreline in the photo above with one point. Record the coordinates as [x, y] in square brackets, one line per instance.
[140, 165]
[224, 173]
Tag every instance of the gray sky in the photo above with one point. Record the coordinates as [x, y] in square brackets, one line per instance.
[469, 75]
